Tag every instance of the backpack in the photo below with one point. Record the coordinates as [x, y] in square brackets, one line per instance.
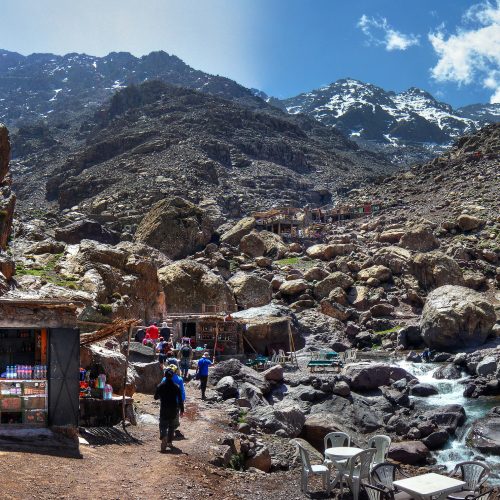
[186, 351]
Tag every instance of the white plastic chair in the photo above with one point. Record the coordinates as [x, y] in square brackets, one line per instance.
[474, 474]
[381, 444]
[334, 440]
[307, 469]
[358, 471]
[482, 496]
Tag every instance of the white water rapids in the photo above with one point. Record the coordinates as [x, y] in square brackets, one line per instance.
[451, 392]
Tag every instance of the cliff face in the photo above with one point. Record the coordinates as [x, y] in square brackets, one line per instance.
[7, 197]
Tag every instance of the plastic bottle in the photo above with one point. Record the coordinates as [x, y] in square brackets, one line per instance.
[108, 391]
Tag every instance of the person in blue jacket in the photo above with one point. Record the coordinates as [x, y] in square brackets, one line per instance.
[177, 380]
[202, 373]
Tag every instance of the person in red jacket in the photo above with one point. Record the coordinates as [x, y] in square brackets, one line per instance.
[153, 332]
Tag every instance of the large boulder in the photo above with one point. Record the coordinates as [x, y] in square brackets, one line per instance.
[332, 281]
[485, 433]
[487, 366]
[113, 365]
[469, 223]
[287, 420]
[274, 245]
[447, 372]
[293, 287]
[318, 425]
[435, 269]
[149, 375]
[241, 228]
[315, 274]
[260, 460]
[86, 230]
[327, 252]
[423, 390]
[7, 266]
[250, 290]
[419, 238]
[176, 227]
[455, 316]
[377, 272]
[319, 251]
[188, 285]
[395, 258]
[365, 376]
[240, 373]
[123, 276]
[409, 452]
[227, 387]
[252, 244]
[320, 329]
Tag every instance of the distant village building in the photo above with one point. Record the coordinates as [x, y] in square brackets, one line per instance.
[291, 222]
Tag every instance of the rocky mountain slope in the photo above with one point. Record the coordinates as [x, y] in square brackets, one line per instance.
[410, 124]
[157, 141]
[52, 87]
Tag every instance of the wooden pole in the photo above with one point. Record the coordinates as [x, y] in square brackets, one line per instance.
[216, 337]
[127, 355]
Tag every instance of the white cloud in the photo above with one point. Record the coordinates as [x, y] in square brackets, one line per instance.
[472, 54]
[379, 32]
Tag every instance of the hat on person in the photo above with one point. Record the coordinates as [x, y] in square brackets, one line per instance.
[206, 355]
[172, 367]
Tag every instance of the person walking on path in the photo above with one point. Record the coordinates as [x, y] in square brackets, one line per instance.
[153, 332]
[185, 357]
[202, 373]
[171, 405]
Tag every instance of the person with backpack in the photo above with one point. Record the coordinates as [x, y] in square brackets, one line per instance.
[202, 372]
[171, 407]
[185, 357]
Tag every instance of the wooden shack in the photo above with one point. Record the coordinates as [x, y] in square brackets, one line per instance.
[39, 372]
[212, 332]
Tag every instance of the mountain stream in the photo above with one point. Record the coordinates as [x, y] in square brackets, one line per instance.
[451, 392]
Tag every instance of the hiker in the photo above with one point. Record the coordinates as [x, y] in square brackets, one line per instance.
[426, 355]
[163, 355]
[177, 380]
[165, 331]
[153, 332]
[140, 334]
[171, 405]
[185, 357]
[202, 373]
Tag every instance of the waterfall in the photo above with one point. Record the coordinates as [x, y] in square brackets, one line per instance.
[451, 392]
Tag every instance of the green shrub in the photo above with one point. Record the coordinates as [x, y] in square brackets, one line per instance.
[105, 308]
[237, 462]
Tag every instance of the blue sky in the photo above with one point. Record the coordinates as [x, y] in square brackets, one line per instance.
[448, 47]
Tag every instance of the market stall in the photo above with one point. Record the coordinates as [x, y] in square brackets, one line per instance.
[39, 361]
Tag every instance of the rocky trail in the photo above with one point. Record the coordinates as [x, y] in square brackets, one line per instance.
[138, 470]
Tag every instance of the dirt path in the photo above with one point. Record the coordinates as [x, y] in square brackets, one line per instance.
[139, 470]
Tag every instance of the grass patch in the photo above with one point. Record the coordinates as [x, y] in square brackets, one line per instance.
[242, 417]
[295, 262]
[382, 333]
[48, 273]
